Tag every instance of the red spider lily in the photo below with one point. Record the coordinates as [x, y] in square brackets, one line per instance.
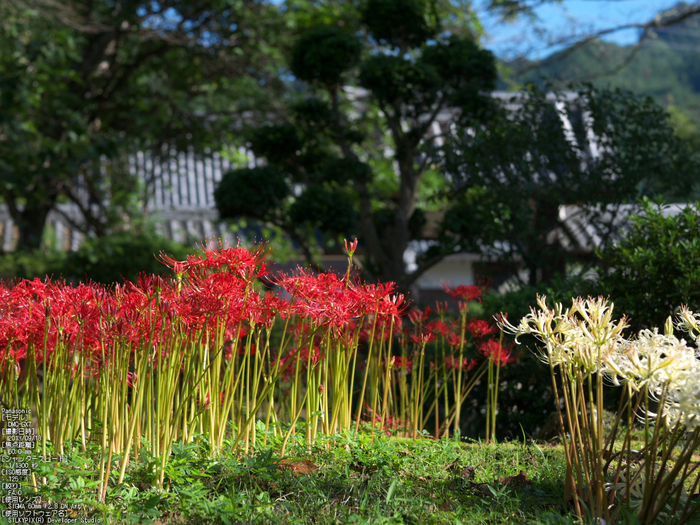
[437, 327]
[391, 422]
[147, 284]
[351, 248]
[399, 362]
[422, 338]
[179, 268]
[372, 293]
[238, 261]
[23, 316]
[480, 328]
[392, 308]
[373, 298]
[466, 292]
[323, 298]
[497, 353]
[214, 296]
[441, 307]
[466, 364]
[454, 339]
[271, 306]
[418, 316]
[287, 364]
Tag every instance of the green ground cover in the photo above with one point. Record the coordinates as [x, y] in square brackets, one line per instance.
[350, 478]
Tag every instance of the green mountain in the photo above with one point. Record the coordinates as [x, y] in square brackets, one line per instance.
[666, 67]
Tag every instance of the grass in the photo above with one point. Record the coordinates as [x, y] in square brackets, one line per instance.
[350, 478]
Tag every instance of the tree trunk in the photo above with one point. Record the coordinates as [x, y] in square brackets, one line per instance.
[31, 221]
[547, 258]
[398, 234]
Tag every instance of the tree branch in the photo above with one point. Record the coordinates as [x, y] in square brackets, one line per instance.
[409, 279]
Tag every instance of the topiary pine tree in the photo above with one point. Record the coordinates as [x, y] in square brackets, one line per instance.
[511, 179]
[352, 154]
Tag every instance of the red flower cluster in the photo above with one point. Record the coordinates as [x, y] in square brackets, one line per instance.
[465, 292]
[398, 362]
[212, 293]
[480, 328]
[332, 302]
[496, 353]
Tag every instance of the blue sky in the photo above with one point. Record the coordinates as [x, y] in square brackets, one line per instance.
[537, 39]
[579, 17]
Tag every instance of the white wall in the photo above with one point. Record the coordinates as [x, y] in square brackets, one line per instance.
[453, 270]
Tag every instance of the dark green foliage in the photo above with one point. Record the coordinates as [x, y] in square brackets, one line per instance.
[120, 256]
[254, 192]
[516, 303]
[461, 63]
[469, 74]
[108, 260]
[640, 150]
[398, 23]
[511, 178]
[399, 80]
[28, 265]
[329, 208]
[656, 268]
[482, 213]
[277, 142]
[454, 68]
[343, 170]
[312, 114]
[322, 55]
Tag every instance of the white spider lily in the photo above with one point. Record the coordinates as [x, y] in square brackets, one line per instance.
[582, 336]
[584, 340]
[688, 322]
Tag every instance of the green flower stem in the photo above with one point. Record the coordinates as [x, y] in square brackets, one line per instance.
[460, 356]
[418, 399]
[387, 377]
[135, 409]
[360, 403]
[441, 387]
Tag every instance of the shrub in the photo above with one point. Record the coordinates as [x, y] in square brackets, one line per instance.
[656, 267]
[107, 260]
[27, 265]
[120, 256]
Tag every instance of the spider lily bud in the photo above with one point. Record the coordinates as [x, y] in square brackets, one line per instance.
[668, 327]
[351, 247]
